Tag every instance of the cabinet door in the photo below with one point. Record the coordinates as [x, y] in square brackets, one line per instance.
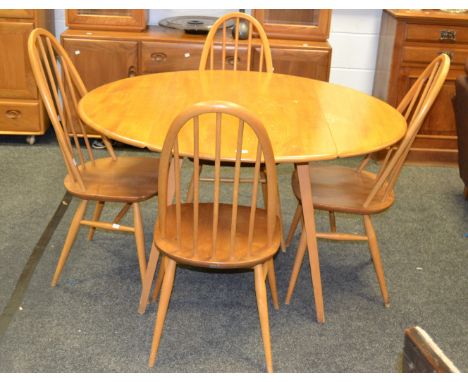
[301, 62]
[16, 77]
[102, 61]
[296, 24]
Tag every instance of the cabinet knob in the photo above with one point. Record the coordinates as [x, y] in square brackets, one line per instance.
[13, 114]
[77, 52]
[132, 71]
[158, 57]
[230, 60]
[446, 35]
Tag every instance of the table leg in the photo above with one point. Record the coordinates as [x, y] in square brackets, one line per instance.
[309, 226]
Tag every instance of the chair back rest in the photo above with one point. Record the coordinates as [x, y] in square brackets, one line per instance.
[211, 47]
[214, 120]
[61, 88]
[414, 106]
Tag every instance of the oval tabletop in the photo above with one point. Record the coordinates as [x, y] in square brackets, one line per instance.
[306, 119]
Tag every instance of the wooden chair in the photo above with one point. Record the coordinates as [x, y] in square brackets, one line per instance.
[359, 192]
[128, 180]
[220, 51]
[222, 48]
[214, 234]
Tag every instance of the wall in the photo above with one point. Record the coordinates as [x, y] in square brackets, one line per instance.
[353, 36]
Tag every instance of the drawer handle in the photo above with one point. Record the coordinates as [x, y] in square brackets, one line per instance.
[446, 35]
[448, 53]
[132, 71]
[13, 114]
[158, 57]
[230, 60]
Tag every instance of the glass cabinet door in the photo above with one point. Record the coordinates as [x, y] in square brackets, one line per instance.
[298, 24]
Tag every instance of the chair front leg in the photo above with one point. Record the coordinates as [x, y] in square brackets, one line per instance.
[260, 290]
[162, 308]
[71, 236]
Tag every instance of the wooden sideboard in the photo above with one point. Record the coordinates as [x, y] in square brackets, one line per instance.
[21, 109]
[104, 56]
[409, 40]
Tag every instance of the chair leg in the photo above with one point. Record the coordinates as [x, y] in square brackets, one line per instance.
[159, 279]
[294, 223]
[260, 291]
[297, 266]
[140, 239]
[162, 308]
[280, 216]
[96, 216]
[148, 280]
[122, 213]
[375, 253]
[71, 236]
[465, 192]
[272, 282]
[331, 217]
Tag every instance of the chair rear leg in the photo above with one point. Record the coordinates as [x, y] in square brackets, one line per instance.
[297, 266]
[148, 280]
[96, 216]
[260, 290]
[70, 239]
[140, 240]
[162, 308]
[332, 219]
[375, 253]
[272, 282]
[294, 223]
[159, 279]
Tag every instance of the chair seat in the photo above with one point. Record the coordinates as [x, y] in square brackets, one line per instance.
[223, 257]
[126, 179]
[343, 189]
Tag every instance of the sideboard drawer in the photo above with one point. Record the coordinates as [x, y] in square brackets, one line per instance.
[425, 54]
[437, 33]
[166, 57]
[21, 117]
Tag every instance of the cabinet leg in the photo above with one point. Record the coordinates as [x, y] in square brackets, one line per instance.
[31, 139]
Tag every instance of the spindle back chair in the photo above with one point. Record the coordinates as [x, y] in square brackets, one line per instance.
[357, 191]
[128, 180]
[216, 55]
[215, 234]
[222, 48]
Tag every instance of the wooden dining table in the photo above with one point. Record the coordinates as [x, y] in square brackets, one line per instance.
[307, 120]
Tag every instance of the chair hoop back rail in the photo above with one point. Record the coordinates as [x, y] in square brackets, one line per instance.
[61, 93]
[414, 106]
[127, 180]
[356, 191]
[214, 234]
[254, 28]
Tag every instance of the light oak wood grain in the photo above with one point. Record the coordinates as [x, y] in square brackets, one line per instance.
[306, 119]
